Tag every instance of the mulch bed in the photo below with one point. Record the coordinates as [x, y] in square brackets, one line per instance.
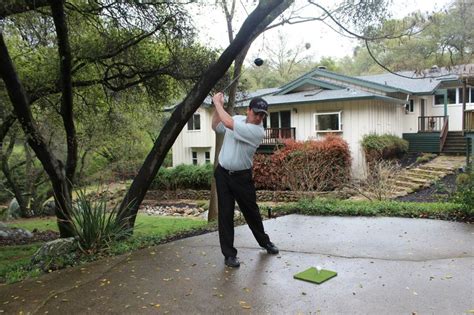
[438, 192]
[38, 236]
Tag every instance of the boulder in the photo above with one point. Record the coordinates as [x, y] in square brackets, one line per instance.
[12, 233]
[54, 254]
[13, 209]
[49, 208]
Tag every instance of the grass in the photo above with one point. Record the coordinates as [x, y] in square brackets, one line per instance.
[41, 224]
[13, 256]
[333, 207]
[165, 226]
[145, 224]
[149, 230]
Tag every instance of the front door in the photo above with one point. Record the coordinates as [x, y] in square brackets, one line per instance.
[280, 122]
[285, 124]
[422, 114]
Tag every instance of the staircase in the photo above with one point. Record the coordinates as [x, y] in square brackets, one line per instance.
[410, 180]
[455, 143]
[413, 179]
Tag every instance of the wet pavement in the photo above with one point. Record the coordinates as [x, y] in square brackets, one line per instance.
[384, 266]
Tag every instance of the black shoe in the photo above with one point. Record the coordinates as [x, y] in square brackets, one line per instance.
[271, 248]
[232, 262]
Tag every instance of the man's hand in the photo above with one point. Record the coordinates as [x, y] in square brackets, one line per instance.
[220, 114]
[218, 99]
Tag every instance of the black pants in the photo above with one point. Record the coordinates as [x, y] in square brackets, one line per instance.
[232, 187]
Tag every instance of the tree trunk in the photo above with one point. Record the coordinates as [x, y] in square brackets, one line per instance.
[262, 16]
[51, 164]
[213, 206]
[4, 156]
[65, 73]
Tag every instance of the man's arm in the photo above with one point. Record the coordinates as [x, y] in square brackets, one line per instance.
[215, 120]
[220, 115]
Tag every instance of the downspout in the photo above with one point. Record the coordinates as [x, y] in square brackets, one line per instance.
[445, 93]
[463, 117]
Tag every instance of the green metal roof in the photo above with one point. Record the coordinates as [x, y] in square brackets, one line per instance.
[357, 81]
[305, 97]
[407, 82]
[311, 81]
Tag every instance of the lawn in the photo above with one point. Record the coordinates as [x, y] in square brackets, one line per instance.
[41, 224]
[145, 224]
[14, 260]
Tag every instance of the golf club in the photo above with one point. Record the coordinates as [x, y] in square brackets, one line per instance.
[258, 62]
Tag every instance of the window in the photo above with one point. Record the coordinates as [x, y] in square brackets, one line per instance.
[195, 158]
[469, 95]
[326, 122]
[451, 93]
[208, 157]
[195, 122]
[410, 107]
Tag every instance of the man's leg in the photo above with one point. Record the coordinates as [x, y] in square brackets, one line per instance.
[226, 205]
[244, 190]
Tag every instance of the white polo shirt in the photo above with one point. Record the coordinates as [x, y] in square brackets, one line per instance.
[239, 144]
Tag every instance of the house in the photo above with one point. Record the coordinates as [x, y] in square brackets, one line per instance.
[432, 109]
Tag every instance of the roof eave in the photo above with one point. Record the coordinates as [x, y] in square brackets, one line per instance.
[352, 98]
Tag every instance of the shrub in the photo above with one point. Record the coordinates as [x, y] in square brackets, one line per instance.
[464, 194]
[184, 177]
[378, 185]
[383, 147]
[306, 166]
[425, 157]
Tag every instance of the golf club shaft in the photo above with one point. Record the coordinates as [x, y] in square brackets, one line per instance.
[232, 82]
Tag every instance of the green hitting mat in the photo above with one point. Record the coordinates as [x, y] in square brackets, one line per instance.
[312, 275]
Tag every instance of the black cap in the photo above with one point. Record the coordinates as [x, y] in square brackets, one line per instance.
[259, 105]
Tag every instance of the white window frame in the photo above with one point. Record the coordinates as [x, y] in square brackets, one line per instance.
[469, 93]
[193, 127]
[410, 107]
[456, 98]
[207, 160]
[339, 116]
[194, 159]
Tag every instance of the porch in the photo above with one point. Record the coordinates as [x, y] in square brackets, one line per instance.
[434, 136]
[274, 137]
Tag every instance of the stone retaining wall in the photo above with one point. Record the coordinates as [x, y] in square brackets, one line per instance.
[262, 195]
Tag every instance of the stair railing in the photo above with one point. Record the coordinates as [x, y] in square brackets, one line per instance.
[469, 120]
[444, 134]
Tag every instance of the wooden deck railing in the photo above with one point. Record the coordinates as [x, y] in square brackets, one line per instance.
[469, 120]
[431, 123]
[275, 135]
[444, 134]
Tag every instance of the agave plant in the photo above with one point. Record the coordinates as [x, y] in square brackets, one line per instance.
[93, 225]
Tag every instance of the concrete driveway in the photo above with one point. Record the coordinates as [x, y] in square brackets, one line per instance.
[384, 266]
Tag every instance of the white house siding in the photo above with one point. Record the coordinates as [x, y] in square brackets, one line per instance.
[200, 141]
[358, 119]
[410, 119]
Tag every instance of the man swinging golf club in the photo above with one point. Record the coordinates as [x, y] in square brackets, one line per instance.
[242, 136]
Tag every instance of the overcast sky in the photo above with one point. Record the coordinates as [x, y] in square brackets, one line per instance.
[323, 40]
